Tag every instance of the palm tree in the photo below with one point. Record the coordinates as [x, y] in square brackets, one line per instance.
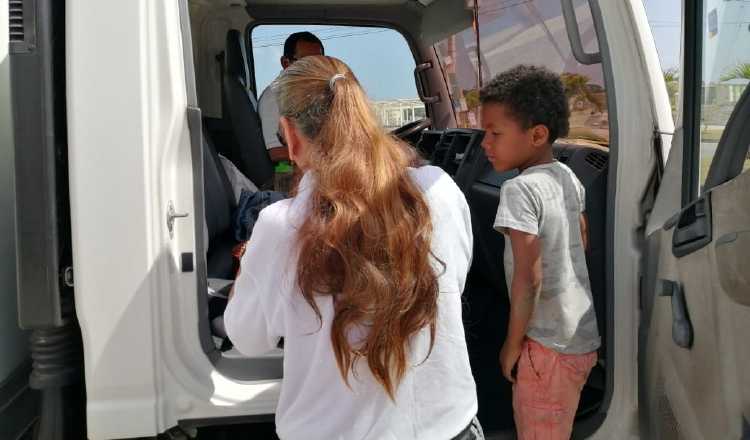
[574, 83]
[671, 75]
[740, 71]
[577, 85]
[672, 80]
[472, 98]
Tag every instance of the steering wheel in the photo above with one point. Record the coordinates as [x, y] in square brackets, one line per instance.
[406, 132]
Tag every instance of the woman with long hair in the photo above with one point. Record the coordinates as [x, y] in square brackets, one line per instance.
[361, 273]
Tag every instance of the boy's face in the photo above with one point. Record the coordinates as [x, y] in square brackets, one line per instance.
[506, 143]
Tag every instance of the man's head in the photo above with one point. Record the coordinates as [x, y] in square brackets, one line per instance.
[300, 45]
[524, 110]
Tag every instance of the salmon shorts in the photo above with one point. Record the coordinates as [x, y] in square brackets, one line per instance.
[547, 390]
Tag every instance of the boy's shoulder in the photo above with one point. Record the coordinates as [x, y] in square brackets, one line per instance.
[521, 181]
[530, 179]
[541, 182]
[551, 173]
[567, 170]
[523, 189]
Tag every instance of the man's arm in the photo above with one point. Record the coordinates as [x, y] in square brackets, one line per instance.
[269, 120]
[584, 231]
[525, 286]
[278, 154]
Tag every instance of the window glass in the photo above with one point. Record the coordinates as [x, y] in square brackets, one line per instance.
[513, 32]
[725, 71]
[458, 60]
[379, 57]
[664, 20]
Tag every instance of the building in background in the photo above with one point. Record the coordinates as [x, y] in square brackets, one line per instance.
[399, 112]
[726, 73]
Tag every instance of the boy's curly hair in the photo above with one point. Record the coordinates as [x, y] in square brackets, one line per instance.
[534, 95]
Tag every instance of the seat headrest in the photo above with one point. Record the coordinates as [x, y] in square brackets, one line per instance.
[234, 58]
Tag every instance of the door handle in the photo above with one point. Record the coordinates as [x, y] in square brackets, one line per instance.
[420, 85]
[172, 215]
[574, 35]
[682, 328]
[692, 227]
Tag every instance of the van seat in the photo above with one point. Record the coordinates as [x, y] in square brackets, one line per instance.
[249, 153]
[219, 205]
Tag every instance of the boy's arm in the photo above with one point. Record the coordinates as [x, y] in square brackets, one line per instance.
[525, 286]
[584, 231]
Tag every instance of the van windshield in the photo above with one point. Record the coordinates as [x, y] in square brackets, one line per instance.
[380, 56]
[512, 32]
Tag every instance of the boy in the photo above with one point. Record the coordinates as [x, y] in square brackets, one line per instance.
[552, 333]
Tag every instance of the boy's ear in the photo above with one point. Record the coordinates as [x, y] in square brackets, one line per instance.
[539, 135]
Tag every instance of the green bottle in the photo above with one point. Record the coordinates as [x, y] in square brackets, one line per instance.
[282, 179]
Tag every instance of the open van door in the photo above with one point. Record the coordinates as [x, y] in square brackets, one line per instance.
[695, 381]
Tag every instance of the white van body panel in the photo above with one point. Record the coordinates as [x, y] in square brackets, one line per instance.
[662, 110]
[129, 156]
[640, 110]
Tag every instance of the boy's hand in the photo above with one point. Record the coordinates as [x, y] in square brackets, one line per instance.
[509, 355]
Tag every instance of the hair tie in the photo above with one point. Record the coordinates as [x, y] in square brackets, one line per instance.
[334, 78]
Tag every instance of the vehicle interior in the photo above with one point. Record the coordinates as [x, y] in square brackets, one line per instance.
[439, 34]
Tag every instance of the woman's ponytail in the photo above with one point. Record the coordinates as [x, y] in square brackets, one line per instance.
[367, 238]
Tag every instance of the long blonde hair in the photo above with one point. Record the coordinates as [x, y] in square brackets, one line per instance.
[366, 240]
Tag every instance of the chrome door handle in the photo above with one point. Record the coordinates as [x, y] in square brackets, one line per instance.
[171, 216]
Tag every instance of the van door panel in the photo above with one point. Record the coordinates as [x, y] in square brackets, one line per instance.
[695, 383]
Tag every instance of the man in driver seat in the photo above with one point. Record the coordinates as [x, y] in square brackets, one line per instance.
[298, 45]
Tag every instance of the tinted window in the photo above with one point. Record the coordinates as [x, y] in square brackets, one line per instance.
[525, 32]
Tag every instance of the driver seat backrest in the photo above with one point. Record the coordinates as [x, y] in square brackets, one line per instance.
[220, 205]
[250, 154]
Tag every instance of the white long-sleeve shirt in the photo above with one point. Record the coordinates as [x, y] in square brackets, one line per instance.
[437, 397]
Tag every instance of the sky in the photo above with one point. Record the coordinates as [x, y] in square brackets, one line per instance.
[380, 58]
[664, 18]
[384, 64]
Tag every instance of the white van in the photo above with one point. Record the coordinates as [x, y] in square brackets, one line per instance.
[124, 215]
